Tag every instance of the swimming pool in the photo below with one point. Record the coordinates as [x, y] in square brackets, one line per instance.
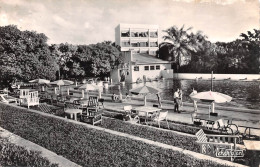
[244, 94]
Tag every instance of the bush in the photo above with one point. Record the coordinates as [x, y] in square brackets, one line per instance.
[166, 137]
[176, 126]
[13, 155]
[89, 147]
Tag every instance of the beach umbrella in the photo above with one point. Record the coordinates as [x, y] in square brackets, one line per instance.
[61, 83]
[88, 87]
[145, 90]
[213, 97]
[40, 81]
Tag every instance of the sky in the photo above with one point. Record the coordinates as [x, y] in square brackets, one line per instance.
[93, 21]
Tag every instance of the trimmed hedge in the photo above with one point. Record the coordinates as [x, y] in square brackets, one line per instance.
[166, 137]
[89, 147]
[13, 155]
[176, 126]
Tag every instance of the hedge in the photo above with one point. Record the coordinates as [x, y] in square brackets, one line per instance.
[166, 137]
[89, 147]
[176, 126]
[13, 155]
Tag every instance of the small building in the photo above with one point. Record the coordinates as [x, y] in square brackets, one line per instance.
[141, 67]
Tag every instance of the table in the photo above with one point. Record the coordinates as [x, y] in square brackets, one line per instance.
[210, 119]
[144, 111]
[253, 147]
[73, 111]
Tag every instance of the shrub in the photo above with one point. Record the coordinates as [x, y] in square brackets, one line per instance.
[13, 155]
[89, 147]
[167, 137]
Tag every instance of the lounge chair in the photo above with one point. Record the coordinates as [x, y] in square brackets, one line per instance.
[211, 144]
[128, 109]
[92, 116]
[160, 117]
[93, 104]
[227, 128]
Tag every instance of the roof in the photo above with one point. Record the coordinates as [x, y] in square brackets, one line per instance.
[143, 58]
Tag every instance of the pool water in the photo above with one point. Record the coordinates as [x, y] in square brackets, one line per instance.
[244, 94]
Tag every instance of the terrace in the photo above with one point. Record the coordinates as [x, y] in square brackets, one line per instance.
[142, 136]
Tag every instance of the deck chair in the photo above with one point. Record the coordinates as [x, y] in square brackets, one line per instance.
[92, 104]
[162, 116]
[210, 144]
[227, 128]
[127, 109]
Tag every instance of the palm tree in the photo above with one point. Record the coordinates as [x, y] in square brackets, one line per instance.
[180, 44]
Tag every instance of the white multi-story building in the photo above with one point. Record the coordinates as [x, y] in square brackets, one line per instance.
[139, 38]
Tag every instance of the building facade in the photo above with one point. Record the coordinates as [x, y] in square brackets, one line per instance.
[138, 38]
[141, 67]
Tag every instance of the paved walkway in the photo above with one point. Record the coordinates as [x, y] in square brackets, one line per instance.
[242, 117]
[239, 118]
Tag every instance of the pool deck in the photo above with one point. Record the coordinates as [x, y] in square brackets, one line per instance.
[238, 117]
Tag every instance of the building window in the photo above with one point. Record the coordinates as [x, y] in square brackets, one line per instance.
[153, 34]
[125, 34]
[143, 44]
[136, 68]
[146, 68]
[125, 43]
[151, 67]
[158, 67]
[153, 44]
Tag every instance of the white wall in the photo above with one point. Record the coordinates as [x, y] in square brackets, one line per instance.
[117, 35]
[167, 73]
[249, 77]
[152, 74]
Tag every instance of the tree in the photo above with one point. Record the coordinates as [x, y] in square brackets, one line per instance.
[251, 41]
[180, 44]
[24, 55]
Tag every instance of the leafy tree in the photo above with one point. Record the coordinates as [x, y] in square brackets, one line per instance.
[251, 41]
[24, 56]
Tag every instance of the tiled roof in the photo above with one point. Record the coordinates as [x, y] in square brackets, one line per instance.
[143, 58]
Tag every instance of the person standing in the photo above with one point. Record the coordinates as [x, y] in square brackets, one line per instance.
[159, 99]
[194, 101]
[180, 98]
[176, 100]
